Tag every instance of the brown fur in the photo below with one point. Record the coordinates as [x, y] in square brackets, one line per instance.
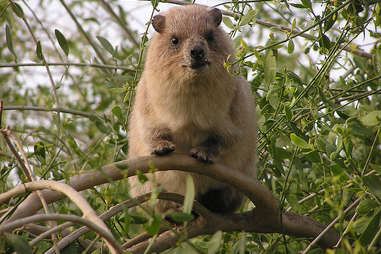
[206, 112]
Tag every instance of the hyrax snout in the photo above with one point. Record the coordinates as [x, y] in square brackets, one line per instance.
[187, 102]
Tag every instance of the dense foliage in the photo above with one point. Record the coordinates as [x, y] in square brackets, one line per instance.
[68, 70]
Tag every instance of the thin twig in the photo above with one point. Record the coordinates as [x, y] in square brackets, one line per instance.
[330, 225]
[54, 88]
[103, 66]
[62, 110]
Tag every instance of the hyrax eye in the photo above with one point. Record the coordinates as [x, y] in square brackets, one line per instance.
[174, 40]
[209, 36]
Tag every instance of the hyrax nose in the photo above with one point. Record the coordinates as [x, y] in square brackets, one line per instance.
[197, 52]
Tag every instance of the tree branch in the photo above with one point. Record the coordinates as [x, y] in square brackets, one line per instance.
[104, 232]
[66, 189]
[102, 66]
[253, 221]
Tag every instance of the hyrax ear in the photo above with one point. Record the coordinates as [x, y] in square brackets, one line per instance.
[158, 22]
[215, 16]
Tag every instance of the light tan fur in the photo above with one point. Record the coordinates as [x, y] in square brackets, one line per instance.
[191, 105]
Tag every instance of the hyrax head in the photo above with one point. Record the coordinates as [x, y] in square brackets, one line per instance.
[189, 39]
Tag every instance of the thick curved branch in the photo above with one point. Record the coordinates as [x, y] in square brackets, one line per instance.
[259, 194]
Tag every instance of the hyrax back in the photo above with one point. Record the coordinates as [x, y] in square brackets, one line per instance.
[187, 102]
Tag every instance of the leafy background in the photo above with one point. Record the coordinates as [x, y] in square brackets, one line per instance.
[318, 106]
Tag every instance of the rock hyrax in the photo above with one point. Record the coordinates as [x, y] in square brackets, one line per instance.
[187, 102]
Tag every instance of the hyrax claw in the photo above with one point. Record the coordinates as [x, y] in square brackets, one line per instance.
[163, 147]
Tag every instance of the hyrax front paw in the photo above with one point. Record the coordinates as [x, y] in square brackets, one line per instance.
[203, 154]
[163, 147]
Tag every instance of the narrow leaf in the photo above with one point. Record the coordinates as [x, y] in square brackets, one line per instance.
[306, 3]
[39, 50]
[371, 229]
[180, 217]
[227, 21]
[269, 68]
[215, 243]
[62, 41]
[8, 36]
[17, 9]
[137, 219]
[299, 142]
[290, 47]
[189, 195]
[106, 44]
[117, 111]
[249, 17]
[374, 184]
[324, 42]
[371, 119]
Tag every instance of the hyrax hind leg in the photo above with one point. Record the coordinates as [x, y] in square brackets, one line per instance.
[223, 200]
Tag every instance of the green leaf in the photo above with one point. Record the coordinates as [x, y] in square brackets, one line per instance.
[215, 242]
[40, 151]
[371, 229]
[375, 167]
[249, 17]
[17, 9]
[8, 36]
[312, 156]
[180, 217]
[62, 41]
[366, 206]
[374, 184]
[19, 244]
[227, 21]
[189, 195]
[306, 3]
[371, 119]
[117, 111]
[141, 177]
[39, 50]
[269, 68]
[273, 96]
[329, 22]
[106, 44]
[324, 42]
[299, 6]
[299, 142]
[100, 124]
[137, 219]
[290, 47]
[154, 225]
[288, 112]
[73, 145]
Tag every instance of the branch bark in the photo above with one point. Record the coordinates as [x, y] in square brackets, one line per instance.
[265, 218]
